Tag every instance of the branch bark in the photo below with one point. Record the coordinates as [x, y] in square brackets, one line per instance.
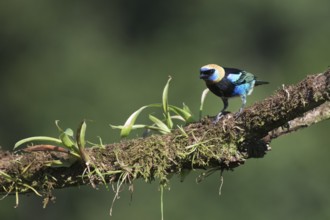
[203, 145]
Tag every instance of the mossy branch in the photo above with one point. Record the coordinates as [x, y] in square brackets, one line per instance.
[202, 145]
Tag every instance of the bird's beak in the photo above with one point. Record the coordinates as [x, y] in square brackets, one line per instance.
[203, 76]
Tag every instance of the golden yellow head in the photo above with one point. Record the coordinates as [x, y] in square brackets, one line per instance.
[212, 73]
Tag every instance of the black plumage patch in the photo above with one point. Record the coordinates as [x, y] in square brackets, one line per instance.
[224, 88]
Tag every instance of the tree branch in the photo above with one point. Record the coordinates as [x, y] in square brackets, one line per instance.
[202, 145]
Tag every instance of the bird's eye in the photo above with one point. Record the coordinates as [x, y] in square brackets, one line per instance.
[208, 72]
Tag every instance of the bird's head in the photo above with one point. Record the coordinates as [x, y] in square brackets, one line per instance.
[212, 73]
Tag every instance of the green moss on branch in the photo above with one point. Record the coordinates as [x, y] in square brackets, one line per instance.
[204, 145]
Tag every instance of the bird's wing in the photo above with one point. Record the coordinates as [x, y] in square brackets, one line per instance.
[232, 74]
[239, 77]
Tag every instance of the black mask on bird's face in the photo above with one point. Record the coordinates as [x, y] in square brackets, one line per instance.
[212, 73]
[206, 74]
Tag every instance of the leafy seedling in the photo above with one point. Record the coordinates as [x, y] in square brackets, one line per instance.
[162, 125]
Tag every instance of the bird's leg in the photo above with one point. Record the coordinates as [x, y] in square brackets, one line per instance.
[221, 113]
[243, 98]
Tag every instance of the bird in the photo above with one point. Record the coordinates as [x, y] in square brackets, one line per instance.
[227, 83]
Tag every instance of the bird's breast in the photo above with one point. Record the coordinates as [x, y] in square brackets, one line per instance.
[224, 88]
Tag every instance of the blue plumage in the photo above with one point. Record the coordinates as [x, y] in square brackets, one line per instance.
[245, 88]
[233, 77]
[227, 83]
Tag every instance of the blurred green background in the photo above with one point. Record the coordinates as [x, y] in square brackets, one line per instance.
[101, 60]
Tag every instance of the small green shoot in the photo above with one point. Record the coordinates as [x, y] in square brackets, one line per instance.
[81, 142]
[185, 113]
[163, 126]
[166, 109]
[67, 138]
[81, 132]
[65, 143]
[37, 138]
[100, 144]
[182, 131]
[127, 128]
[202, 103]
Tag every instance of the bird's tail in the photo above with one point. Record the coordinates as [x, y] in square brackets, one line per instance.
[258, 83]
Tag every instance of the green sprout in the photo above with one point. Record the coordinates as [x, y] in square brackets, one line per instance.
[162, 125]
[205, 92]
[66, 142]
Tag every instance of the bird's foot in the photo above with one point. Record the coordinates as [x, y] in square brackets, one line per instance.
[237, 114]
[219, 116]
